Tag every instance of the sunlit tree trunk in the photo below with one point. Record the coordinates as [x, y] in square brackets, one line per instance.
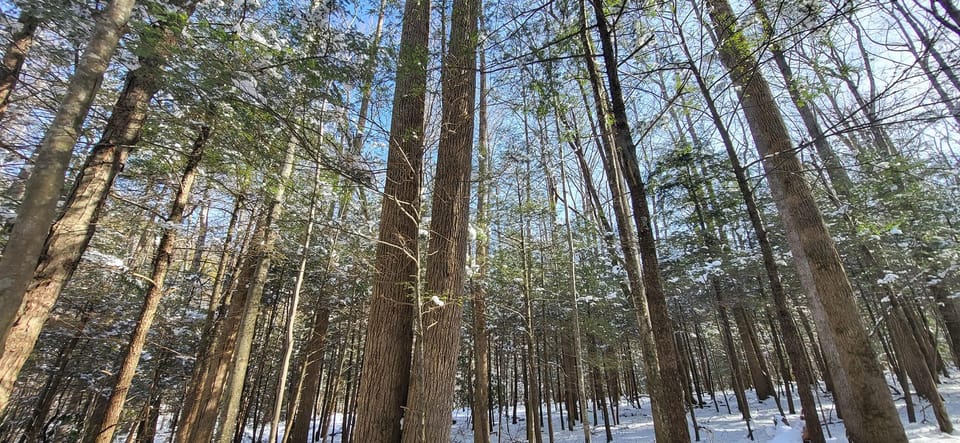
[41, 193]
[251, 309]
[481, 352]
[831, 161]
[871, 415]
[103, 431]
[290, 324]
[190, 409]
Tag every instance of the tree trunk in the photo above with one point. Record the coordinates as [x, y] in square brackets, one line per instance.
[570, 386]
[103, 432]
[299, 427]
[196, 265]
[251, 309]
[151, 407]
[575, 312]
[628, 243]
[914, 362]
[200, 422]
[672, 419]
[13, 58]
[834, 167]
[386, 372]
[726, 332]
[430, 405]
[481, 351]
[190, 409]
[288, 342]
[871, 415]
[758, 372]
[42, 192]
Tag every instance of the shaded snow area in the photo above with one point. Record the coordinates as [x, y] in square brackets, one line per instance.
[636, 425]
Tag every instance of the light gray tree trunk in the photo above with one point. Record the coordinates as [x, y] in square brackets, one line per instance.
[870, 414]
[43, 189]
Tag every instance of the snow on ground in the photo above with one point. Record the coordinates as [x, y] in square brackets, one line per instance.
[636, 425]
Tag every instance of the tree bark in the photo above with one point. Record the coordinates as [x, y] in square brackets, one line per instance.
[68, 238]
[871, 415]
[251, 309]
[42, 191]
[914, 362]
[481, 352]
[386, 372]
[574, 309]
[103, 432]
[672, 419]
[190, 410]
[758, 372]
[290, 325]
[13, 58]
[831, 161]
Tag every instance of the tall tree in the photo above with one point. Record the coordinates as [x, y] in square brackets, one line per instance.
[481, 344]
[13, 58]
[673, 412]
[290, 324]
[104, 426]
[42, 191]
[386, 370]
[802, 371]
[871, 415]
[264, 251]
[430, 405]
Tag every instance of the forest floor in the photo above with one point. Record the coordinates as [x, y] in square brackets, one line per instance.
[636, 424]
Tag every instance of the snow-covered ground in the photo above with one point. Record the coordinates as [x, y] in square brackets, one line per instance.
[636, 425]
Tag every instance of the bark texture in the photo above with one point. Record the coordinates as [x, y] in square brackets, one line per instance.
[385, 380]
[103, 432]
[38, 210]
[430, 404]
[870, 414]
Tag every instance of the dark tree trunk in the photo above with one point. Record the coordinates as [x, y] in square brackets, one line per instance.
[386, 374]
[672, 417]
[13, 58]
